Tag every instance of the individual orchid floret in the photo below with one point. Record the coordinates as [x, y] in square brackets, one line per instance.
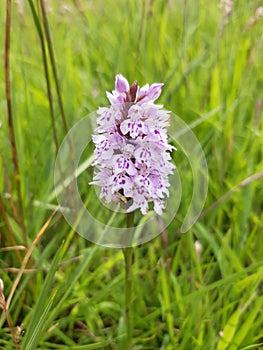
[132, 154]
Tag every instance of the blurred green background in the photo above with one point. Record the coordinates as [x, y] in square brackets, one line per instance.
[209, 56]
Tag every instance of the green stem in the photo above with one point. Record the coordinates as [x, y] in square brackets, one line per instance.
[128, 256]
[10, 120]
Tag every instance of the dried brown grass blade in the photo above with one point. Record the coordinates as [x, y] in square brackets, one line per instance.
[27, 256]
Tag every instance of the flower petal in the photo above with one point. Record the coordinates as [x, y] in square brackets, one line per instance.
[121, 84]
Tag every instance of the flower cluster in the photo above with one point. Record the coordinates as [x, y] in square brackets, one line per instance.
[132, 153]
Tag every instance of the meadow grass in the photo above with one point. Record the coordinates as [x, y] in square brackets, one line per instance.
[67, 293]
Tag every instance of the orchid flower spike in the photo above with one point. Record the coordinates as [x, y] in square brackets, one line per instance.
[132, 153]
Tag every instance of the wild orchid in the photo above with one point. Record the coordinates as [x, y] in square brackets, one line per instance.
[132, 154]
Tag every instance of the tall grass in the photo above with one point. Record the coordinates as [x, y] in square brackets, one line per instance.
[63, 291]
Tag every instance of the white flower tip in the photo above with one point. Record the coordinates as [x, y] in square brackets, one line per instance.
[198, 249]
[1, 285]
[110, 97]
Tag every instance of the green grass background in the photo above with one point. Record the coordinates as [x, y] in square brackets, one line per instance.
[71, 294]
